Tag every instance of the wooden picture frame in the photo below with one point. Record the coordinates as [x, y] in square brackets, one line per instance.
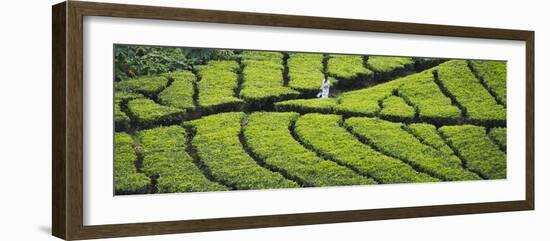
[67, 124]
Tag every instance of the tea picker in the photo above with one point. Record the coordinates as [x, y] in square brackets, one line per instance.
[325, 88]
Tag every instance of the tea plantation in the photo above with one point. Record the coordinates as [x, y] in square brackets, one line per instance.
[252, 121]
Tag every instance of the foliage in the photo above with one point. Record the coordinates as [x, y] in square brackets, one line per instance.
[217, 85]
[493, 73]
[462, 84]
[425, 95]
[180, 93]
[127, 180]
[347, 67]
[429, 135]
[218, 146]
[479, 152]
[148, 113]
[268, 136]
[387, 64]
[324, 134]
[162, 138]
[366, 101]
[320, 105]
[133, 183]
[134, 60]
[146, 85]
[124, 96]
[165, 157]
[498, 134]
[263, 78]
[122, 121]
[177, 173]
[390, 138]
[395, 108]
[305, 71]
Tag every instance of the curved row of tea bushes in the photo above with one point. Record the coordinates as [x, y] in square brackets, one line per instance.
[498, 134]
[268, 136]
[319, 105]
[127, 179]
[475, 147]
[422, 91]
[385, 67]
[419, 90]
[493, 73]
[429, 135]
[263, 80]
[366, 101]
[165, 158]
[180, 93]
[219, 148]
[349, 70]
[217, 85]
[324, 134]
[461, 83]
[149, 113]
[149, 86]
[125, 96]
[395, 108]
[390, 138]
[305, 71]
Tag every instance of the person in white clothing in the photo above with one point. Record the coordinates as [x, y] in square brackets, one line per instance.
[325, 89]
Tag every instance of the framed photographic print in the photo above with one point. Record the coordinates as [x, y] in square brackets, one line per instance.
[210, 120]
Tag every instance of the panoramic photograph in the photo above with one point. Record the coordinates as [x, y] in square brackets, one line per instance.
[204, 120]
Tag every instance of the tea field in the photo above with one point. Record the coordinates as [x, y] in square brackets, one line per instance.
[253, 122]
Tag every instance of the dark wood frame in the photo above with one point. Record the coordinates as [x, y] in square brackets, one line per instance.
[67, 123]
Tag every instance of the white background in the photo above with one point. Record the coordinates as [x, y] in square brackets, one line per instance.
[25, 134]
[100, 207]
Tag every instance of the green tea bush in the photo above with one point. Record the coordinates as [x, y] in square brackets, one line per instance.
[122, 121]
[164, 154]
[349, 70]
[217, 85]
[390, 138]
[498, 134]
[395, 108]
[149, 86]
[177, 173]
[320, 105]
[493, 73]
[162, 138]
[148, 113]
[324, 134]
[388, 64]
[429, 135]
[180, 93]
[305, 72]
[268, 136]
[385, 67]
[480, 106]
[218, 146]
[475, 147]
[134, 183]
[422, 91]
[124, 96]
[126, 178]
[263, 78]
[366, 101]
[125, 155]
